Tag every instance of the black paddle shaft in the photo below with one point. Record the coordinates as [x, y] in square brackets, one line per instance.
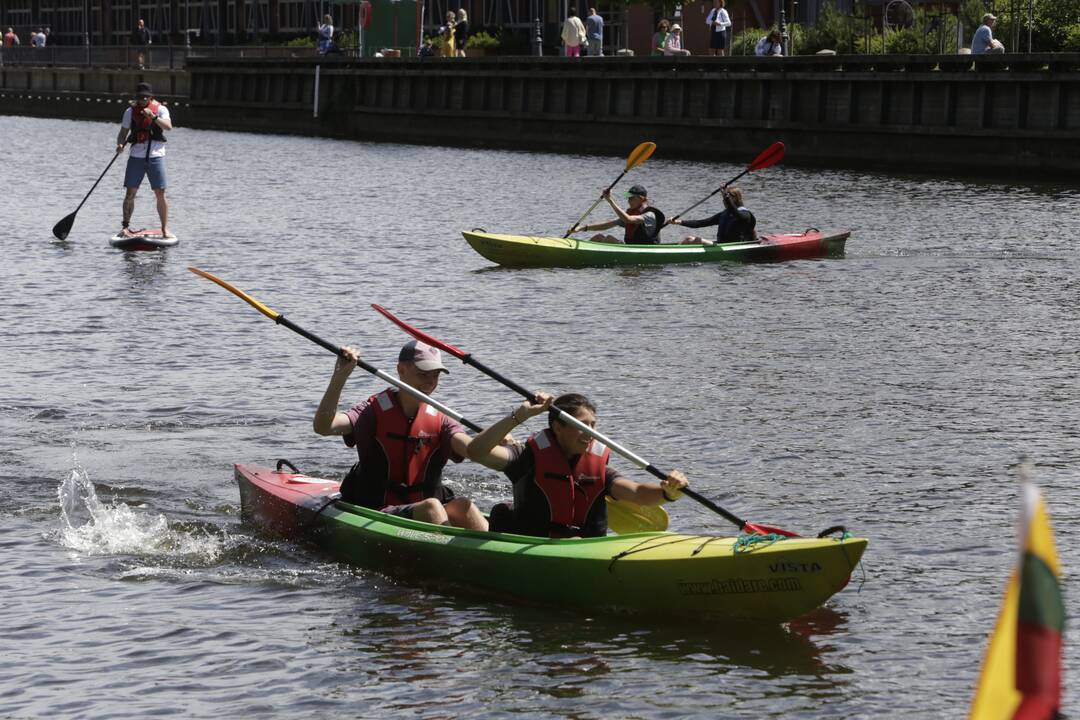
[337, 350]
[62, 228]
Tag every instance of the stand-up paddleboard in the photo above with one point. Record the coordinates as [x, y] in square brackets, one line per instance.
[142, 240]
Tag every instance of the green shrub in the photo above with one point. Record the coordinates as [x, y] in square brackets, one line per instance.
[482, 40]
[301, 42]
[908, 41]
[1071, 41]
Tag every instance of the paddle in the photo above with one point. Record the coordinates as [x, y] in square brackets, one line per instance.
[766, 158]
[565, 417]
[637, 156]
[62, 228]
[629, 517]
[624, 517]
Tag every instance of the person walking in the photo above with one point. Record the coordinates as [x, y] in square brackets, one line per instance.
[141, 40]
[143, 126]
[11, 39]
[461, 32]
[326, 34]
[573, 33]
[402, 444]
[561, 475]
[719, 22]
[37, 39]
[594, 33]
[449, 45]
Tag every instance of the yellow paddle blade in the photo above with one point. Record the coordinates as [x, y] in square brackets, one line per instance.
[627, 517]
[640, 154]
[273, 315]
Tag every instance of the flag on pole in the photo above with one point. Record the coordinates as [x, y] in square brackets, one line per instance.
[1021, 674]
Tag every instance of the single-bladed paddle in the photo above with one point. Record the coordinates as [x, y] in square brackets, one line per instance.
[61, 229]
[637, 156]
[628, 517]
[569, 419]
[766, 158]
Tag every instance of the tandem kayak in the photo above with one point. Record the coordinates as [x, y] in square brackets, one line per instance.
[774, 579]
[531, 251]
[142, 240]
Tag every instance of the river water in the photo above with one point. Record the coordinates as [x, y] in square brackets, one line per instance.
[893, 390]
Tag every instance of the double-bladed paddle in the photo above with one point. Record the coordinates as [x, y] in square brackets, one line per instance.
[637, 156]
[766, 158]
[61, 229]
[623, 517]
[565, 417]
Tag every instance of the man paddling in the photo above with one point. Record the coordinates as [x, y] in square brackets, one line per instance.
[561, 474]
[641, 220]
[402, 443]
[144, 125]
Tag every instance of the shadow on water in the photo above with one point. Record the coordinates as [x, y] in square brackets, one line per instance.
[570, 643]
[143, 267]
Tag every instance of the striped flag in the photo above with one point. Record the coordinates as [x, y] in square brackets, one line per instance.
[1021, 674]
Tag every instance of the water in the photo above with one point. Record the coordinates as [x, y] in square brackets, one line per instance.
[893, 391]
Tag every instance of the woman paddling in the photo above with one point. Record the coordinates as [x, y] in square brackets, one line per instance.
[733, 224]
[561, 475]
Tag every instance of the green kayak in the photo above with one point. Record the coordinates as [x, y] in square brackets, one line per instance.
[772, 579]
[530, 251]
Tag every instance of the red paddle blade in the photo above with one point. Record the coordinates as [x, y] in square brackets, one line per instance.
[769, 156]
[756, 529]
[420, 334]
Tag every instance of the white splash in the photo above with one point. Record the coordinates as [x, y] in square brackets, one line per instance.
[90, 526]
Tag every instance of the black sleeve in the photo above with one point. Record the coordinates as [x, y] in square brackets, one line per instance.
[707, 222]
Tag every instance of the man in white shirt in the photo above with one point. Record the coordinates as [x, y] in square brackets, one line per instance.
[144, 125]
[719, 23]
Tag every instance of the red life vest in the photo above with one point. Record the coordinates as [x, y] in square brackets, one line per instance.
[408, 448]
[571, 492]
[144, 128]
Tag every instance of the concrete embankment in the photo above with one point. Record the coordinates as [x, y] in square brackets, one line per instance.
[995, 116]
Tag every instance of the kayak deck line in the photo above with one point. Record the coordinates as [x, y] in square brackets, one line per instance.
[639, 573]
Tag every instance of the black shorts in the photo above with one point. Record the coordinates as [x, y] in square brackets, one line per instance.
[718, 40]
[405, 511]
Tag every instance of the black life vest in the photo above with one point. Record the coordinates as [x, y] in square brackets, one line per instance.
[575, 495]
[637, 234]
[144, 128]
[737, 225]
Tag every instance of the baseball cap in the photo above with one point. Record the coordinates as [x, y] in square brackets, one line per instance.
[423, 355]
[637, 190]
[144, 90]
[988, 16]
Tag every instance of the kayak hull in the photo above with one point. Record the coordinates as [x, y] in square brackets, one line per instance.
[531, 251]
[143, 240]
[647, 573]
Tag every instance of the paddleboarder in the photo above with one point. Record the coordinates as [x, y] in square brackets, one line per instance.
[641, 221]
[735, 223]
[561, 475]
[402, 444]
[144, 125]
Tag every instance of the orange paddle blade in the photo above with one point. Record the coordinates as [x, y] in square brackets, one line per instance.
[272, 314]
[640, 154]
